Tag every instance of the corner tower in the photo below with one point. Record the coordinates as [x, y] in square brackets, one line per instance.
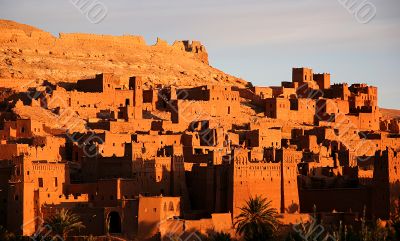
[136, 84]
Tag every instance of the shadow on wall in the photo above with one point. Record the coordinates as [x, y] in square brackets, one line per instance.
[67, 85]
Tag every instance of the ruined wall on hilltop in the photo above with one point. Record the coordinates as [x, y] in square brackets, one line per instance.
[16, 35]
[194, 47]
[91, 44]
[125, 40]
[28, 53]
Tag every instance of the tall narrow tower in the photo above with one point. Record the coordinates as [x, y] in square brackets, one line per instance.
[135, 84]
[386, 182]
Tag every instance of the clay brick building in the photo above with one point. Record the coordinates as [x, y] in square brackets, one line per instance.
[135, 166]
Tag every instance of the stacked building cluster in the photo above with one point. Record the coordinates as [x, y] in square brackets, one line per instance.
[135, 161]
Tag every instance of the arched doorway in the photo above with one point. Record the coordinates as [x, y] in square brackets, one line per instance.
[114, 223]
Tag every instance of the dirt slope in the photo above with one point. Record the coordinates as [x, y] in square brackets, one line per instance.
[27, 53]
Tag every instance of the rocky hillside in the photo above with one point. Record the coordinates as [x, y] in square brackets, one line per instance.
[28, 54]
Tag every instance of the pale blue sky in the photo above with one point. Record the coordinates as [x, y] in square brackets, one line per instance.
[258, 40]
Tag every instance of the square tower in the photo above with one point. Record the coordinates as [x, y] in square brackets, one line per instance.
[302, 75]
[386, 181]
[135, 84]
[107, 80]
[323, 80]
[277, 108]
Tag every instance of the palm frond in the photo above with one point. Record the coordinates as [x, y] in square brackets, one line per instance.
[257, 219]
[63, 222]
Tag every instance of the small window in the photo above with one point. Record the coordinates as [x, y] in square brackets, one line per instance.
[171, 206]
[55, 182]
[40, 180]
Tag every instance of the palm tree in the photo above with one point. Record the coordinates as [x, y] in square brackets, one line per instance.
[257, 220]
[63, 222]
